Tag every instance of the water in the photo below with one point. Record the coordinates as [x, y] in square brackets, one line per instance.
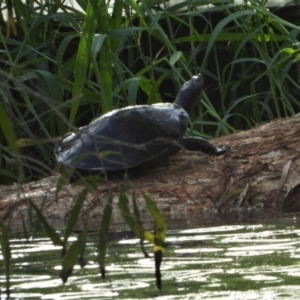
[260, 260]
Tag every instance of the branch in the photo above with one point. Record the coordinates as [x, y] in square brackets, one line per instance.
[260, 173]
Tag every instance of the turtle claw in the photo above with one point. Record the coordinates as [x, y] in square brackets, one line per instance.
[221, 149]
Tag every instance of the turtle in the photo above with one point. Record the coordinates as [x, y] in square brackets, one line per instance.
[132, 136]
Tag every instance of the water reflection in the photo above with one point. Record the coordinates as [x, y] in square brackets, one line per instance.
[238, 261]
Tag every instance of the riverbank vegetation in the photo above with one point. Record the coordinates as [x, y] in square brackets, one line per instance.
[64, 64]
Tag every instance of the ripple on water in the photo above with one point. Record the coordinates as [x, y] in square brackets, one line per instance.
[219, 262]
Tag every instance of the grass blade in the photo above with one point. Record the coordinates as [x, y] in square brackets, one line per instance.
[71, 256]
[103, 233]
[159, 236]
[50, 231]
[9, 134]
[133, 220]
[83, 58]
[159, 223]
[105, 58]
[73, 216]
[6, 253]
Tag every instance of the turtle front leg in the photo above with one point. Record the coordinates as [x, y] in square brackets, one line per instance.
[199, 144]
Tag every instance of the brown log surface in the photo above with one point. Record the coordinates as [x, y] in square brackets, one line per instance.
[261, 172]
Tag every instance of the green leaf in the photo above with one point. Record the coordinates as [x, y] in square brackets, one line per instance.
[158, 256]
[83, 58]
[133, 220]
[139, 229]
[133, 91]
[175, 57]
[116, 22]
[138, 226]
[9, 134]
[159, 236]
[6, 252]
[63, 179]
[73, 215]
[71, 256]
[124, 209]
[159, 223]
[103, 233]
[51, 233]
[221, 25]
[105, 59]
[98, 42]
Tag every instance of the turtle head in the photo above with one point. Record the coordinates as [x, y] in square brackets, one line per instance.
[190, 93]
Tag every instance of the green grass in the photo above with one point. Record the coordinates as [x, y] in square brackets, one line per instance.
[66, 66]
[60, 67]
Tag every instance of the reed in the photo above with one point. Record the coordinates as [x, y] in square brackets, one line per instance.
[68, 64]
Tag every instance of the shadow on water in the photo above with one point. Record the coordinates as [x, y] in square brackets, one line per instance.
[212, 258]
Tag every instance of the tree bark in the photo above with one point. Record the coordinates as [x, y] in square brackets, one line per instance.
[260, 173]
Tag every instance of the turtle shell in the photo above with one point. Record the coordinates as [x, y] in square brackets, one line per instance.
[124, 138]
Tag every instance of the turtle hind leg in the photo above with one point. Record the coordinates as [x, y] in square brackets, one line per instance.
[199, 144]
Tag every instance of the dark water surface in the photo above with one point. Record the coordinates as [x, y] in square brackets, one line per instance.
[233, 258]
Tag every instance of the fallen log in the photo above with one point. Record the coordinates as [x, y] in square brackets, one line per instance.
[260, 173]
